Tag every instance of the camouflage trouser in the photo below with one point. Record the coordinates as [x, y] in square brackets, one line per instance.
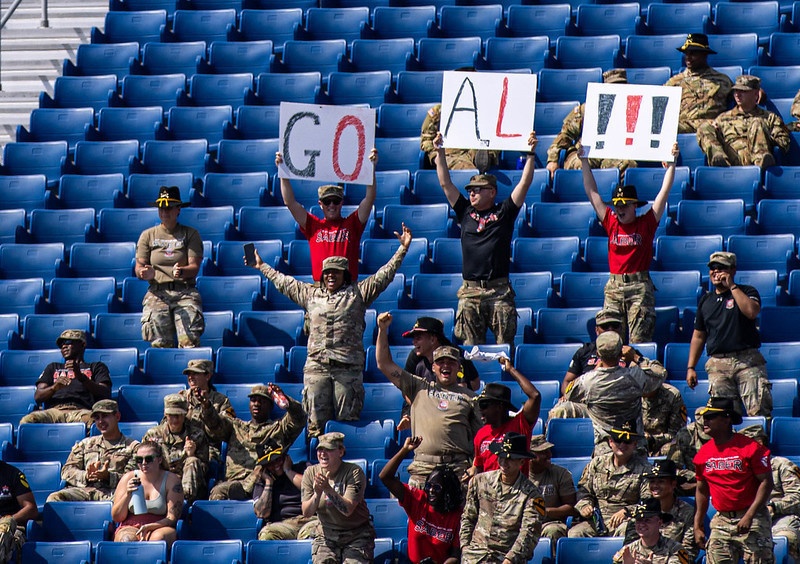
[742, 375]
[170, 315]
[460, 159]
[492, 307]
[573, 162]
[726, 546]
[568, 410]
[691, 125]
[60, 414]
[419, 470]
[788, 526]
[358, 548]
[12, 538]
[295, 528]
[332, 390]
[554, 530]
[193, 479]
[636, 300]
[230, 489]
[747, 150]
[585, 529]
[87, 493]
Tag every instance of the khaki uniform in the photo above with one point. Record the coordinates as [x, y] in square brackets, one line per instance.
[340, 538]
[743, 138]
[171, 309]
[663, 415]
[221, 404]
[741, 374]
[242, 438]
[704, 96]
[118, 454]
[795, 110]
[333, 377]
[681, 528]
[785, 501]
[456, 158]
[556, 484]
[569, 135]
[12, 538]
[500, 522]
[725, 543]
[192, 470]
[665, 551]
[604, 486]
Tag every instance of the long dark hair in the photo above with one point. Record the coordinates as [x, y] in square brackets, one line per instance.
[452, 496]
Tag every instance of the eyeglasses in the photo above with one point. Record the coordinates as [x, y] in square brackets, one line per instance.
[331, 201]
[435, 488]
[718, 266]
[144, 459]
[610, 326]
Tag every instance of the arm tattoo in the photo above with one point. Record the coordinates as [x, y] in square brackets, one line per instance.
[177, 488]
[397, 373]
[338, 502]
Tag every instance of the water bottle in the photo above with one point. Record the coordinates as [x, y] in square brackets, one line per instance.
[137, 497]
[599, 524]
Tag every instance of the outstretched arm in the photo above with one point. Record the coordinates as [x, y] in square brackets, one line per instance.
[660, 203]
[450, 190]
[590, 185]
[298, 211]
[383, 355]
[521, 189]
[533, 404]
[365, 206]
[388, 474]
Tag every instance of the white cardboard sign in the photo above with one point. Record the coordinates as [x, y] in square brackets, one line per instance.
[631, 121]
[487, 110]
[326, 143]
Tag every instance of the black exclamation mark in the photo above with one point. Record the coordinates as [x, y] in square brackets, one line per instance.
[659, 110]
[604, 105]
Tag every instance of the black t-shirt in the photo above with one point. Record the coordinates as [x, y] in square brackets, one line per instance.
[75, 393]
[585, 359]
[726, 327]
[12, 485]
[486, 238]
[286, 501]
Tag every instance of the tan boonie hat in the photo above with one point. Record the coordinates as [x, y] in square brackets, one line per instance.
[331, 441]
[199, 366]
[747, 82]
[335, 263]
[447, 352]
[105, 406]
[71, 335]
[330, 191]
[608, 316]
[482, 181]
[609, 344]
[175, 404]
[728, 259]
[259, 390]
[540, 444]
[615, 76]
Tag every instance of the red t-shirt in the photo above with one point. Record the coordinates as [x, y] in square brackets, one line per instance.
[340, 238]
[730, 472]
[486, 436]
[430, 533]
[630, 246]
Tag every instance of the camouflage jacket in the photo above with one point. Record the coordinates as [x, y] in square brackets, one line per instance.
[734, 124]
[663, 415]
[569, 135]
[665, 551]
[609, 488]
[785, 497]
[174, 443]
[705, 94]
[119, 455]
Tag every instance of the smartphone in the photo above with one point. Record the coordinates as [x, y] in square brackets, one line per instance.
[249, 254]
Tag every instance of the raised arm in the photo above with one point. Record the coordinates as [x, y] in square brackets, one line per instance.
[450, 190]
[660, 203]
[297, 210]
[533, 404]
[365, 206]
[521, 189]
[388, 474]
[383, 355]
[590, 184]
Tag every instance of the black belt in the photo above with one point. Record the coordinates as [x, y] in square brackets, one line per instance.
[732, 354]
[178, 285]
[494, 282]
[632, 277]
[733, 514]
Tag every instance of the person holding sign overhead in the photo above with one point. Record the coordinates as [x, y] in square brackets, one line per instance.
[333, 235]
[486, 298]
[630, 248]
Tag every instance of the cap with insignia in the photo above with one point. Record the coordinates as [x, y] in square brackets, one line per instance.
[175, 404]
[331, 441]
[268, 452]
[199, 366]
[513, 445]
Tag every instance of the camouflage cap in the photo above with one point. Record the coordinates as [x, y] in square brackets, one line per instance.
[199, 366]
[608, 315]
[71, 335]
[259, 390]
[615, 76]
[331, 441]
[335, 263]
[330, 191]
[726, 259]
[482, 181]
[540, 444]
[105, 406]
[175, 404]
[747, 82]
[609, 344]
[447, 352]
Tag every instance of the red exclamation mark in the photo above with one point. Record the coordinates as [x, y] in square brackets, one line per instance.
[631, 115]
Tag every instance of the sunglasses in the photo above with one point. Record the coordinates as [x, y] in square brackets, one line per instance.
[610, 326]
[712, 415]
[623, 441]
[483, 404]
[718, 266]
[144, 459]
[476, 189]
[435, 488]
[331, 201]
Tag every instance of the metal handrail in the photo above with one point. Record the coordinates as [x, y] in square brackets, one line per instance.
[44, 22]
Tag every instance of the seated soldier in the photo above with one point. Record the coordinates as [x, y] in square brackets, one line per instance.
[662, 479]
[652, 545]
[663, 415]
[557, 486]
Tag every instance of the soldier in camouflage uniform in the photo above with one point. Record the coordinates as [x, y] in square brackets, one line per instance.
[96, 464]
[613, 484]
[557, 486]
[185, 447]
[333, 373]
[652, 546]
[705, 93]
[570, 136]
[662, 480]
[795, 111]
[663, 414]
[244, 436]
[502, 518]
[745, 135]
[17, 507]
[457, 159]
[784, 503]
[682, 449]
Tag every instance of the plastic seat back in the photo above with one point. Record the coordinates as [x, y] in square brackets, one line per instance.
[165, 366]
[125, 225]
[41, 552]
[275, 25]
[202, 25]
[145, 403]
[301, 87]
[143, 91]
[40, 331]
[221, 520]
[115, 330]
[159, 157]
[582, 52]
[415, 87]
[23, 368]
[171, 58]
[558, 85]
[93, 59]
[75, 295]
[568, 325]
[37, 442]
[80, 92]
[267, 328]
[435, 53]
[109, 552]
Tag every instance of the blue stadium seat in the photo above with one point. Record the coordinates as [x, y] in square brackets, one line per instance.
[15, 403]
[217, 90]
[57, 226]
[191, 552]
[468, 21]
[366, 439]
[781, 106]
[708, 217]
[46, 158]
[103, 157]
[542, 362]
[160, 157]
[231, 57]
[268, 328]
[278, 551]
[779, 324]
[762, 18]
[561, 219]
[115, 552]
[764, 252]
[399, 153]
[333, 23]
[37, 442]
[676, 356]
[236, 189]
[649, 75]
[170, 58]
[210, 4]
[531, 288]
[740, 182]
[605, 19]
[778, 82]
[594, 257]
[582, 52]
[583, 289]
[200, 25]
[10, 222]
[237, 365]
[239, 397]
[665, 19]
[554, 325]
[30, 260]
[381, 401]
[140, 5]
[322, 56]
[75, 295]
[396, 22]
[219, 324]
[782, 50]
[80, 92]
[369, 55]
[575, 465]
[229, 254]
[552, 254]
[146, 91]
[232, 293]
[775, 217]
[99, 59]
[274, 88]
[351, 88]
[220, 520]
[655, 50]
[119, 362]
[26, 192]
[254, 122]
[513, 53]
[785, 436]
[681, 289]
[276, 25]
[734, 49]
[124, 27]
[259, 224]
[165, 367]
[388, 518]
[691, 153]
[782, 359]
[400, 120]
[439, 54]
[781, 182]
[416, 87]
[571, 437]
[434, 290]
[245, 155]
[205, 123]
[292, 371]
[209, 221]
[114, 330]
[568, 184]
[429, 221]
[550, 20]
[391, 184]
[99, 259]
[549, 116]
[685, 253]
[377, 252]
[587, 550]
[559, 85]
[399, 354]
[41, 552]
[404, 319]
[122, 225]
[44, 478]
[784, 394]
[426, 187]
[145, 402]
[648, 183]
[23, 368]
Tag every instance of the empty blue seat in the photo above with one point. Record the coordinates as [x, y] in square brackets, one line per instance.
[437, 53]
[236, 189]
[377, 252]
[414, 87]
[268, 328]
[785, 436]
[170, 58]
[30, 260]
[426, 187]
[775, 217]
[685, 253]
[37, 442]
[568, 184]
[366, 439]
[209, 221]
[164, 366]
[400, 120]
[779, 323]
[245, 155]
[512, 53]
[549, 116]
[780, 183]
[434, 290]
[394, 22]
[691, 153]
[333, 23]
[191, 552]
[655, 50]
[75, 295]
[200, 25]
[429, 221]
[718, 183]
[109, 552]
[259, 224]
[254, 122]
[15, 403]
[234, 293]
[782, 50]
[237, 365]
[119, 330]
[231, 57]
[583, 289]
[735, 49]
[159, 157]
[350, 88]
[649, 75]
[368, 55]
[124, 27]
[676, 356]
[98, 59]
[468, 21]
[604, 19]
[97, 190]
[57, 226]
[278, 551]
[445, 257]
[681, 289]
[26, 192]
[764, 252]
[708, 217]
[558, 85]
[534, 21]
[46, 158]
[541, 362]
[582, 52]
[664, 19]
[388, 518]
[571, 437]
[162, 90]
[274, 88]
[73, 521]
[779, 82]
[575, 465]
[552, 254]
[587, 550]
[220, 520]
[648, 183]
[145, 402]
[561, 220]
[44, 477]
[217, 89]
[10, 222]
[399, 153]
[196, 123]
[119, 361]
[276, 25]
[23, 368]
[40, 331]
[80, 92]
[42, 552]
[122, 225]
[104, 157]
[555, 325]
[381, 401]
[322, 56]
[762, 18]
[138, 5]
